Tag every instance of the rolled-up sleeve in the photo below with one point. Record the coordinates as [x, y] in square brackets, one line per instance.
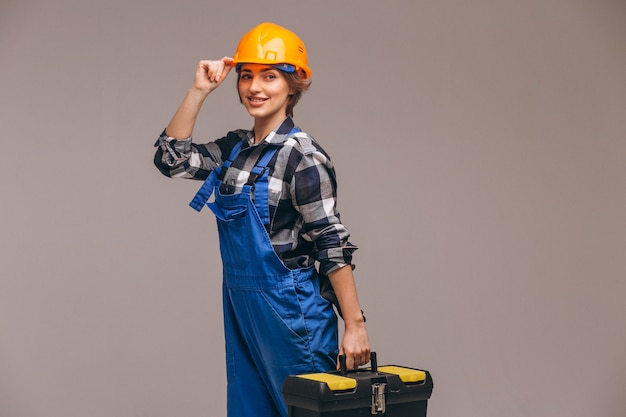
[314, 195]
[181, 158]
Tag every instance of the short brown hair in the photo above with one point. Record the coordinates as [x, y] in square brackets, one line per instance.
[299, 85]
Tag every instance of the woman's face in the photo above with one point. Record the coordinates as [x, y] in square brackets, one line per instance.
[264, 92]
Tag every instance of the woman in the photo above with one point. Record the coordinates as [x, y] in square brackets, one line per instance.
[275, 203]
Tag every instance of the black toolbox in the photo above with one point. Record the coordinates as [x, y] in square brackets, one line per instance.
[392, 391]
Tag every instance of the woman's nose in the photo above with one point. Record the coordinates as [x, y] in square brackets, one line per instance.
[255, 83]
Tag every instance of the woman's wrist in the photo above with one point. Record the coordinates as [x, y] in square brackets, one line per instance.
[199, 94]
[355, 320]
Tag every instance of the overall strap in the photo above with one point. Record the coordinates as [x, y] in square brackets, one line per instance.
[205, 191]
[261, 188]
[233, 154]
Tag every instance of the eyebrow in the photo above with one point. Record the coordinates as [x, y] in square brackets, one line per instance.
[262, 70]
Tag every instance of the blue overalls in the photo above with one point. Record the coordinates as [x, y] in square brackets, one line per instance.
[275, 321]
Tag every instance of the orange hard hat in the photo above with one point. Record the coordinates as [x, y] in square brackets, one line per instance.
[271, 44]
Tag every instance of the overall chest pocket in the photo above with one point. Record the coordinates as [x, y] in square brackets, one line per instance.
[233, 226]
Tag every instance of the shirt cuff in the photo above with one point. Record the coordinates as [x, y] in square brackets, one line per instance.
[163, 138]
[173, 150]
[335, 258]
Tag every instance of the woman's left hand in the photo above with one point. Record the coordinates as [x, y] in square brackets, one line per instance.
[355, 345]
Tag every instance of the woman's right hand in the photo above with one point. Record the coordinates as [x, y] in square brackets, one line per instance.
[210, 74]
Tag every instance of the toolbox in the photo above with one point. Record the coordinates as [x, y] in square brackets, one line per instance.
[392, 391]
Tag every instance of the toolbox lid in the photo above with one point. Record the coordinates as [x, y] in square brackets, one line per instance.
[407, 375]
[334, 382]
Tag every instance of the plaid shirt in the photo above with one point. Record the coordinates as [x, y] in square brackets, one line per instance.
[304, 221]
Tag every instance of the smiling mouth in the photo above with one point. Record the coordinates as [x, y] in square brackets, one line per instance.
[256, 100]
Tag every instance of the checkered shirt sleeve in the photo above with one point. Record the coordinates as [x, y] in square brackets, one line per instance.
[181, 158]
[314, 195]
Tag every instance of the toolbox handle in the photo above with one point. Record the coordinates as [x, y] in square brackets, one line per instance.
[344, 369]
[342, 365]
[373, 361]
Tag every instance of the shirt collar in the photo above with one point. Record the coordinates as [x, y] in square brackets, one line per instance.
[277, 136]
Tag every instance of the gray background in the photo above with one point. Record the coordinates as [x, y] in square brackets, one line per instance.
[480, 147]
